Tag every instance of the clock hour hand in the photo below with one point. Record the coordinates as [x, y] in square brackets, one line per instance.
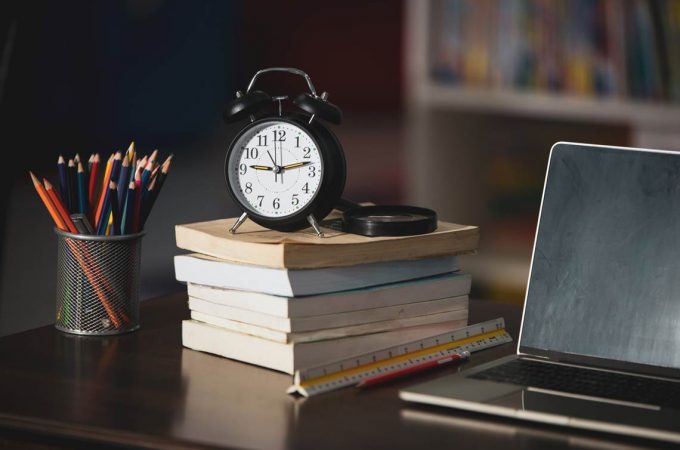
[258, 167]
[296, 165]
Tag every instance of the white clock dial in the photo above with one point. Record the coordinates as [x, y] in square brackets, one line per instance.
[275, 169]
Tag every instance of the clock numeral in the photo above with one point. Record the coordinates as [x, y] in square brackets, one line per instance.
[306, 188]
[297, 141]
[308, 152]
[276, 203]
[312, 171]
[249, 187]
[262, 140]
[242, 168]
[279, 135]
[295, 200]
[252, 153]
[259, 200]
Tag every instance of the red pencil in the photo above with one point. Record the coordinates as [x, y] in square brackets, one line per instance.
[382, 378]
[94, 174]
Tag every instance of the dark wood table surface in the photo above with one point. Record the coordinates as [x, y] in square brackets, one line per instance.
[144, 390]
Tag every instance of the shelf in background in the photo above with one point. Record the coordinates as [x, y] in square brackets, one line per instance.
[545, 105]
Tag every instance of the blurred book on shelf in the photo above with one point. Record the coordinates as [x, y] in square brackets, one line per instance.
[604, 48]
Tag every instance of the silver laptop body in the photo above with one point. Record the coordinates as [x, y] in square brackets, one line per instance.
[603, 297]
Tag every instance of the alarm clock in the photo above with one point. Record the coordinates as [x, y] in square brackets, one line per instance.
[285, 169]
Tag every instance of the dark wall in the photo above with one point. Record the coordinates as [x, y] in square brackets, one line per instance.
[90, 76]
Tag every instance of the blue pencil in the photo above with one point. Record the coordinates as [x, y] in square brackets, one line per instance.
[123, 178]
[128, 210]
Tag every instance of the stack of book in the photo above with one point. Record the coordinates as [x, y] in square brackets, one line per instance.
[292, 300]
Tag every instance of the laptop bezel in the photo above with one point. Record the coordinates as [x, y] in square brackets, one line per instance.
[573, 358]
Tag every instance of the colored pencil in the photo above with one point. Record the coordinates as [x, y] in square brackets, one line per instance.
[94, 173]
[100, 191]
[159, 180]
[103, 208]
[103, 221]
[82, 190]
[389, 376]
[72, 189]
[146, 174]
[115, 207]
[63, 181]
[89, 163]
[70, 226]
[128, 210]
[137, 210]
[123, 178]
[76, 159]
[44, 196]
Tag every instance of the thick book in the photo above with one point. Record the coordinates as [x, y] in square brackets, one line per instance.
[253, 244]
[201, 269]
[324, 321]
[405, 292]
[290, 357]
[454, 317]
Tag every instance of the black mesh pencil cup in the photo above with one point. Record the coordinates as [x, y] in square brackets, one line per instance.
[98, 281]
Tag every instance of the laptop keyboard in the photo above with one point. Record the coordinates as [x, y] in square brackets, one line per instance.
[576, 380]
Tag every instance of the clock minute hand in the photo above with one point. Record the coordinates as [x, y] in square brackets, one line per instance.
[296, 165]
[276, 173]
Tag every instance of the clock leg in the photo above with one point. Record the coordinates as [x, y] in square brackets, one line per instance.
[312, 221]
[238, 223]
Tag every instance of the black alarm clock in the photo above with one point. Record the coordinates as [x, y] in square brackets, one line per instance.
[284, 169]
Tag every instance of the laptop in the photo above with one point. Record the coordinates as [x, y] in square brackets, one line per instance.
[599, 346]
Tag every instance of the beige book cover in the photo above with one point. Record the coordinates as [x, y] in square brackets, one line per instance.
[253, 244]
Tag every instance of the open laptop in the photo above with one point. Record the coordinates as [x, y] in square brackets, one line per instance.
[599, 346]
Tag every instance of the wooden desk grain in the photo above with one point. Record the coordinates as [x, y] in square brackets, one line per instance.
[144, 390]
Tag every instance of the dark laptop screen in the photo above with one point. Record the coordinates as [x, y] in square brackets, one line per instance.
[605, 279]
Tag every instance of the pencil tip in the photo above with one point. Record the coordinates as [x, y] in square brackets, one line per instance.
[60, 160]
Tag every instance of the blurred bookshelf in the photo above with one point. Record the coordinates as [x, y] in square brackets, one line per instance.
[492, 84]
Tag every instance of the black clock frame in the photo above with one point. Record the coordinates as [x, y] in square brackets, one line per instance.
[333, 175]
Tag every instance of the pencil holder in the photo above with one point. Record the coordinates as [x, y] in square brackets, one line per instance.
[98, 283]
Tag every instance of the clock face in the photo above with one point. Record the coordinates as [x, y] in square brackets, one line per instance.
[275, 169]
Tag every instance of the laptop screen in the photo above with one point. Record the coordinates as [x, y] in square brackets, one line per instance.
[605, 278]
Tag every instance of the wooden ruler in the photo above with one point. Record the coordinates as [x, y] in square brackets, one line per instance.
[348, 372]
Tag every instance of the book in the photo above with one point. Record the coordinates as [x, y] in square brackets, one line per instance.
[454, 317]
[210, 271]
[337, 320]
[253, 244]
[292, 356]
[411, 291]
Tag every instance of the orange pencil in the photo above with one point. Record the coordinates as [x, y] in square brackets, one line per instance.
[60, 207]
[48, 203]
[102, 192]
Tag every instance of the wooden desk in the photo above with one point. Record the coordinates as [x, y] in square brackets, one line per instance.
[143, 389]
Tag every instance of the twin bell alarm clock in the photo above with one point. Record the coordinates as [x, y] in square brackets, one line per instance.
[285, 169]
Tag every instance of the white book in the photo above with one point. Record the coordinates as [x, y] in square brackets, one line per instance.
[337, 320]
[214, 272]
[455, 317]
[290, 357]
[411, 291]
